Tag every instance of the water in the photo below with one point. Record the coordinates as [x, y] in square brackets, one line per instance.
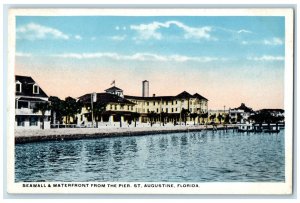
[182, 157]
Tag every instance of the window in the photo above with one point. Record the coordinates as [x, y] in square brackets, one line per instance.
[22, 104]
[21, 121]
[157, 110]
[33, 121]
[176, 103]
[153, 103]
[115, 107]
[18, 87]
[166, 110]
[172, 110]
[147, 103]
[176, 109]
[35, 89]
[172, 102]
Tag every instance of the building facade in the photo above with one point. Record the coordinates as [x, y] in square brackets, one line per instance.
[27, 95]
[120, 109]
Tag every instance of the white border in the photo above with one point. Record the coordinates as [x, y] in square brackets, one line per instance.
[205, 188]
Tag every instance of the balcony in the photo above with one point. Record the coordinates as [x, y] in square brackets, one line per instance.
[27, 111]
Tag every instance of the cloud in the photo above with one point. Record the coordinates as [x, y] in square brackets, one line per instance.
[118, 37]
[78, 37]
[150, 31]
[93, 38]
[117, 28]
[140, 57]
[266, 58]
[21, 54]
[274, 41]
[33, 31]
[244, 31]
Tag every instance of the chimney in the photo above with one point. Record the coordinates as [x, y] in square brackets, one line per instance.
[145, 88]
[153, 95]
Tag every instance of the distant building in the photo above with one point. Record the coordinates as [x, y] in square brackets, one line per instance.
[117, 109]
[273, 112]
[145, 88]
[240, 114]
[115, 90]
[124, 108]
[172, 105]
[28, 94]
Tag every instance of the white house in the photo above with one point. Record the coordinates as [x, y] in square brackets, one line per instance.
[28, 94]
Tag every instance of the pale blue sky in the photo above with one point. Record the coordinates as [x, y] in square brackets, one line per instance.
[245, 49]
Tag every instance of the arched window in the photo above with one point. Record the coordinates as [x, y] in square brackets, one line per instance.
[18, 86]
[36, 89]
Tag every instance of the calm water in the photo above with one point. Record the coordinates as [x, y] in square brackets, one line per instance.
[194, 157]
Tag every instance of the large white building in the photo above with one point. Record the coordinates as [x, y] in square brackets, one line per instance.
[125, 108]
[28, 94]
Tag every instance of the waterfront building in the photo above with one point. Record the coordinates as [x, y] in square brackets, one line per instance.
[273, 112]
[123, 110]
[240, 114]
[27, 95]
[170, 106]
[116, 109]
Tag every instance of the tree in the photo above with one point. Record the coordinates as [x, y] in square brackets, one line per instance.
[220, 117]
[152, 115]
[265, 117]
[57, 108]
[212, 117]
[194, 116]
[204, 116]
[227, 118]
[72, 107]
[184, 114]
[163, 116]
[135, 116]
[98, 109]
[42, 107]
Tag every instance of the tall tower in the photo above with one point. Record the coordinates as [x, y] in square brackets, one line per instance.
[145, 89]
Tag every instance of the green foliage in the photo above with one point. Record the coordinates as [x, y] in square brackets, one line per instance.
[42, 107]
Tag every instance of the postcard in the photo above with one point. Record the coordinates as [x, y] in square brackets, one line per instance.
[150, 101]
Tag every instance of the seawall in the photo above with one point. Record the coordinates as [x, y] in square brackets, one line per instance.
[26, 136]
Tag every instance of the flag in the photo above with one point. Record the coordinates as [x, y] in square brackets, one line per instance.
[113, 82]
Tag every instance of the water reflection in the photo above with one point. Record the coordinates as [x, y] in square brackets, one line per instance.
[195, 156]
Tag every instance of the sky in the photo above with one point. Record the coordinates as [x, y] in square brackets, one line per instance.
[228, 60]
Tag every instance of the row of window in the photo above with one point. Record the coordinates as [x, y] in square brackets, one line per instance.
[170, 102]
[35, 88]
[115, 107]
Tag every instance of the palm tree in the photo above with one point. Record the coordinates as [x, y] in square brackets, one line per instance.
[220, 117]
[42, 107]
[135, 116]
[152, 115]
[184, 114]
[227, 118]
[204, 116]
[194, 116]
[72, 107]
[98, 109]
[212, 117]
[57, 109]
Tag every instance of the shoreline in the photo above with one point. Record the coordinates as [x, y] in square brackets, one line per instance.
[61, 134]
